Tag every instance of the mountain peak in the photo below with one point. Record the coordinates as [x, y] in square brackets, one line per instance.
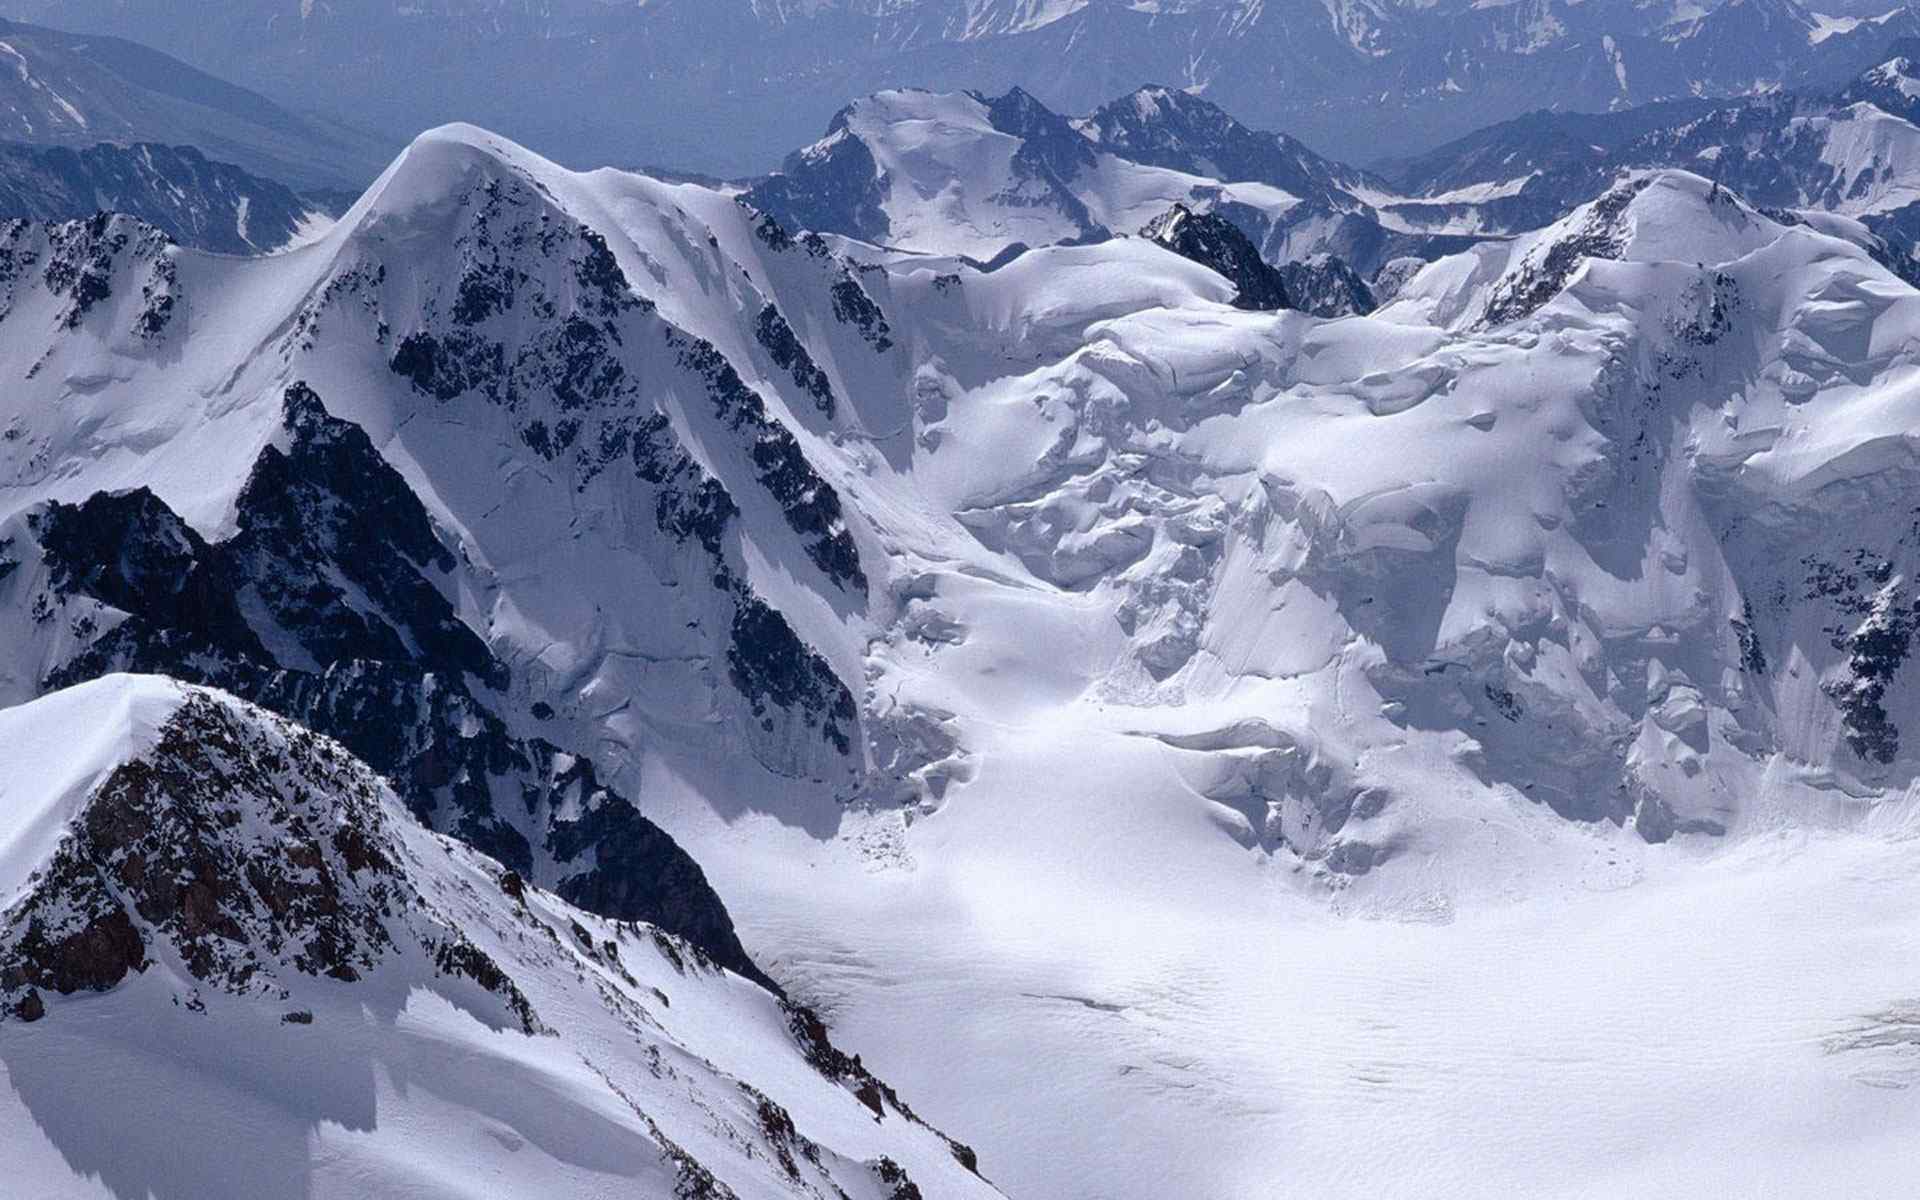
[444, 163]
[63, 745]
[229, 847]
[229, 890]
[1216, 243]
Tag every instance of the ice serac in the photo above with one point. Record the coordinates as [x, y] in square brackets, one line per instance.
[238, 923]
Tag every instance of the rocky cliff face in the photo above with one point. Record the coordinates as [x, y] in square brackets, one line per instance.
[326, 606]
[248, 851]
[227, 883]
[1217, 244]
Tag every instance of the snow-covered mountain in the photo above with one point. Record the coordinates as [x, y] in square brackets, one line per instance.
[1845, 155]
[985, 178]
[961, 174]
[728, 85]
[1158, 734]
[232, 965]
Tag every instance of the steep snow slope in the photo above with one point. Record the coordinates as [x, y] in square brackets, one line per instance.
[1453, 627]
[1049, 661]
[230, 964]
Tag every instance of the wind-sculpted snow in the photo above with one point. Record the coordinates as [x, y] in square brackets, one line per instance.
[235, 922]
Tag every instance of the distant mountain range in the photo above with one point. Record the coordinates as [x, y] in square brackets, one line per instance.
[212, 205]
[64, 89]
[1852, 152]
[726, 86]
[91, 124]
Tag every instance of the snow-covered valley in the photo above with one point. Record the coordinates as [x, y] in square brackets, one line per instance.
[1185, 747]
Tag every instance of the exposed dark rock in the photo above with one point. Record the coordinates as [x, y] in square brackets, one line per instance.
[1326, 286]
[226, 841]
[895, 1177]
[79, 260]
[385, 666]
[176, 189]
[462, 958]
[772, 666]
[808, 502]
[790, 355]
[656, 880]
[833, 186]
[1753, 658]
[852, 306]
[810, 1032]
[1168, 127]
[1876, 650]
[1217, 244]
[1598, 235]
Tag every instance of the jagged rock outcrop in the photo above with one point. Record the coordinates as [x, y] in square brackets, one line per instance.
[1326, 286]
[1216, 243]
[191, 881]
[245, 850]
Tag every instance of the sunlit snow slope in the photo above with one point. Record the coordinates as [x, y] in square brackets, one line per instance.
[1189, 750]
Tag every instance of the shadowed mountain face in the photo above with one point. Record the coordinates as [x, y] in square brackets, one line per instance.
[333, 566]
[176, 189]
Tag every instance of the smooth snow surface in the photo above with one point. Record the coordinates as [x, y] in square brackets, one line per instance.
[1741, 1027]
[57, 751]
